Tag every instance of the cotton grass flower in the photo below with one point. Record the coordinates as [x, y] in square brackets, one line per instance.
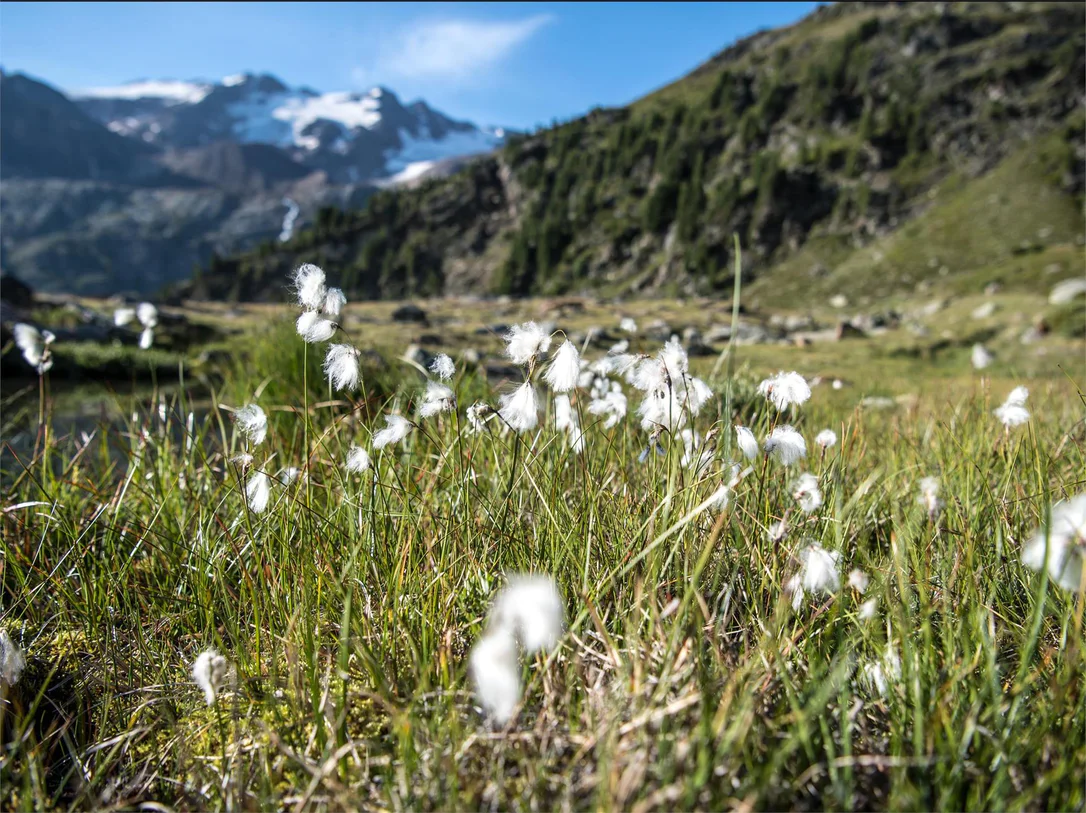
[477, 415]
[748, 444]
[288, 475]
[437, 399]
[612, 404]
[334, 300]
[785, 389]
[565, 368]
[807, 493]
[868, 609]
[817, 574]
[442, 366]
[147, 314]
[253, 423]
[313, 329]
[777, 531]
[826, 439]
[929, 497]
[785, 445]
[627, 325]
[858, 581]
[123, 316]
[12, 660]
[878, 675]
[341, 366]
[396, 429]
[242, 461]
[525, 342]
[34, 345]
[1062, 549]
[520, 408]
[532, 608]
[147, 338]
[308, 283]
[358, 460]
[980, 357]
[495, 674]
[1013, 412]
[209, 671]
[258, 492]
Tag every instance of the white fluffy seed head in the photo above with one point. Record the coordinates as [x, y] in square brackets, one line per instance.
[817, 574]
[628, 325]
[477, 415]
[565, 368]
[495, 674]
[289, 475]
[396, 429]
[358, 459]
[858, 581]
[980, 357]
[525, 342]
[785, 389]
[437, 399]
[785, 445]
[929, 496]
[1062, 549]
[147, 338]
[12, 660]
[520, 408]
[209, 671]
[341, 366]
[826, 439]
[123, 316]
[748, 444]
[532, 609]
[1013, 412]
[442, 366]
[613, 404]
[564, 417]
[258, 492]
[253, 423]
[147, 314]
[308, 283]
[807, 493]
[334, 300]
[316, 328]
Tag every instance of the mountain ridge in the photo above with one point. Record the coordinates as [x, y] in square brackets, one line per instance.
[835, 131]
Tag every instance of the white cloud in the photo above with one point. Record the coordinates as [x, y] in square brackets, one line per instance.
[452, 49]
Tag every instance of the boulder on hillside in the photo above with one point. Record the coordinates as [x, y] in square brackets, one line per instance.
[410, 313]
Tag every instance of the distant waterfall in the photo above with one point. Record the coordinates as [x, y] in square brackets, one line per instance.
[288, 220]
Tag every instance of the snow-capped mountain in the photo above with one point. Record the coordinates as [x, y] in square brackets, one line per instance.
[351, 136]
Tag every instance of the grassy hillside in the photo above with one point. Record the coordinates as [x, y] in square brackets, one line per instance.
[812, 141]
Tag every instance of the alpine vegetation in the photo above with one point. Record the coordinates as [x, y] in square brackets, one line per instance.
[888, 618]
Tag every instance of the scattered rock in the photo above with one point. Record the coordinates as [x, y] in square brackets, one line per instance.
[985, 310]
[847, 330]
[431, 339]
[410, 313]
[418, 355]
[15, 292]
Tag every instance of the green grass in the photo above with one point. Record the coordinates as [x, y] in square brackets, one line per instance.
[685, 680]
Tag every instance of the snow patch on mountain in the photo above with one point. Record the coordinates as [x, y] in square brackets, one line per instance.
[281, 118]
[453, 145]
[171, 89]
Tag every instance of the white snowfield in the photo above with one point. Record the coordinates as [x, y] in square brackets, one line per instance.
[282, 118]
[172, 89]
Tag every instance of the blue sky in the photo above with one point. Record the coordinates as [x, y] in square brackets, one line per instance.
[512, 64]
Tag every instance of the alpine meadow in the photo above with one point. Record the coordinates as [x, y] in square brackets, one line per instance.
[725, 451]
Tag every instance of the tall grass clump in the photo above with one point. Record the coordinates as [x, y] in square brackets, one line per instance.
[621, 581]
